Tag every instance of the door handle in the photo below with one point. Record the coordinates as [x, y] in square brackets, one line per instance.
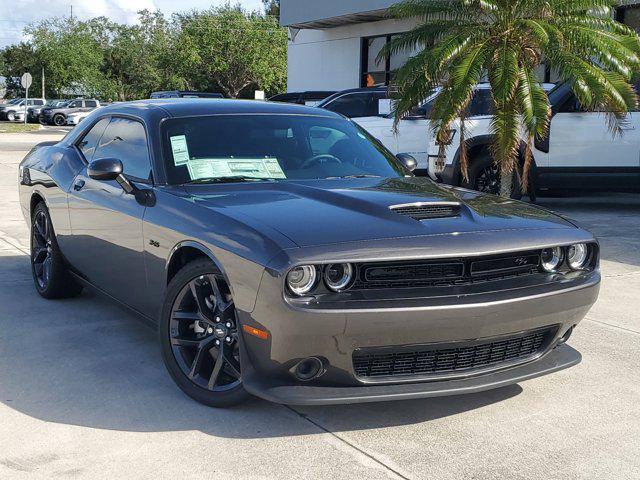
[78, 185]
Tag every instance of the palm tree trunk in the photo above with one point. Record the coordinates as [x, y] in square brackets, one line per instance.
[506, 184]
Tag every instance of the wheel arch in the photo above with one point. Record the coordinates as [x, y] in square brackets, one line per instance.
[36, 198]
[478, 144]
[187, 251]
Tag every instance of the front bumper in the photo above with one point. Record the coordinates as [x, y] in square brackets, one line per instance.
[334, 334]
[557, 359]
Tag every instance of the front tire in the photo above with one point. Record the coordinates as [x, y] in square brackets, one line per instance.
[59, 120]
[50, 275]
[484, 176]
[199, 336]
[11, 116]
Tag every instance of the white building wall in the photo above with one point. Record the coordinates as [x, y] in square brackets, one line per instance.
[329, 59]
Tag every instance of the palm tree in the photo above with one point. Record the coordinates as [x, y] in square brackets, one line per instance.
[462, 42]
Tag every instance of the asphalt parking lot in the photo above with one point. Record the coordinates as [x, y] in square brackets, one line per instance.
[84, 394]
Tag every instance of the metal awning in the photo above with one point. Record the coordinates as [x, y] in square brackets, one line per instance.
[331, 13]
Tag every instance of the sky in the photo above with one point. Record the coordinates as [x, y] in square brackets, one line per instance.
[16, 14]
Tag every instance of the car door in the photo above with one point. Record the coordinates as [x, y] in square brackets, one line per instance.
[584, 153]
[106, 223]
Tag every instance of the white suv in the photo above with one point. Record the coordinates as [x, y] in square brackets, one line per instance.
[579, 152]
[9, 110]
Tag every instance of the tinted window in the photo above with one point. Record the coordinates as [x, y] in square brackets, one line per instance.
[126, 140]
[274, 147]
[481, 104]
[353, 105]
[89, 142]
[91, 103]
[75, 104]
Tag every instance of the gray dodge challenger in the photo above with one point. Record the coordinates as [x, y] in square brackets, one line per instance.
[282, 252]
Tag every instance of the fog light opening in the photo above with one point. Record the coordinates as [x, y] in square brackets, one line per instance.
[308, 369]
[566, 336]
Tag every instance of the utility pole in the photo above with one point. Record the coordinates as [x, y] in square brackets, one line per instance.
[71, 11]
[42, 82]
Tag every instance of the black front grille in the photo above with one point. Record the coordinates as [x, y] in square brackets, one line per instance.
[445, 273]
[434, 359]
[426, 211]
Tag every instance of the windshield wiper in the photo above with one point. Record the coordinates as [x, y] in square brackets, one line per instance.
[362, 175]
[229, 179]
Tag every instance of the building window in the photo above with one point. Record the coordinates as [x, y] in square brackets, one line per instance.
[376, 72]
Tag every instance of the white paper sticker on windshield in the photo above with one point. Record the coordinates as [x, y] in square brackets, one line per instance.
[180, 150]
[229, 167]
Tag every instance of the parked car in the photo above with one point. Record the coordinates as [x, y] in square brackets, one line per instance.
[58, 115]
[8, 110]
[413, 134]
[310, 98]
[75, 118]
[291, 256]
[359, 102]
[579, 152]
[33, 113]
[185, 94]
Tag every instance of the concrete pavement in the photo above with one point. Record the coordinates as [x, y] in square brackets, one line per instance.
[83, 393]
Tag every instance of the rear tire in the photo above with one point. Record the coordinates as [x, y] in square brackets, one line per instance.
[50, 275]
[199, 336]
[11, 116]
[484, 176]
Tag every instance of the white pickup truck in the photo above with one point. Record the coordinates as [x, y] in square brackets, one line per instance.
[580, 151]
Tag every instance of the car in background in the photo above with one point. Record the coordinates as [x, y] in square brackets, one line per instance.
[413, 133]
[58, 115]
[8, 110]
[33, 113]
[310, 98]
[359, 102]
[74, 119]
[184, 94]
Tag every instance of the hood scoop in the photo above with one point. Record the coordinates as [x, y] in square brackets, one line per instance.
[428, 210]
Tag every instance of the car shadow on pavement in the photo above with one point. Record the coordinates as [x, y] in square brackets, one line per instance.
[89, 362]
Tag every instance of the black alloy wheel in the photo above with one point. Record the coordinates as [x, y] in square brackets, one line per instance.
[199, 336]
[41, 250]
[50, 275]
[59, 120]
[484, 176]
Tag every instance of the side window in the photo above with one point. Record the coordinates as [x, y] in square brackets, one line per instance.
[126, 140]
[481, 104]
[90, 140]
[91, 103]
[571, 105]
[355, 105]
[75, 104]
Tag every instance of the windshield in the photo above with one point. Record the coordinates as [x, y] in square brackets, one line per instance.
[14, 101]
[271, 148]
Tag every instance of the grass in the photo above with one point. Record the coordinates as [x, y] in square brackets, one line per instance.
[14, 127]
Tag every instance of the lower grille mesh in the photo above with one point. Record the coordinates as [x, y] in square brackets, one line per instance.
[430, 359]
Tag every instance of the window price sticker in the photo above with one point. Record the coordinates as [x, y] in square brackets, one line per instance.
[180, 150]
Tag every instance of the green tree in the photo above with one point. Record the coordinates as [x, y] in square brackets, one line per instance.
[464, 41]
[230, 50]
[71, 55]
[15, 60]
[272, 7]
[138, 58]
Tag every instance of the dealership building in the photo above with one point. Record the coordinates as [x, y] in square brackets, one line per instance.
[334, 44]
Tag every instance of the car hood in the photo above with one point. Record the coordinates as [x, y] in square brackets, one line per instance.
[318, 212]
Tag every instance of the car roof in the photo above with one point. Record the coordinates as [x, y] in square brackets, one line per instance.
[183, 107]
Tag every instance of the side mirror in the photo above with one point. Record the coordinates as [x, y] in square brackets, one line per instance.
[109, 169]
[408, 161]
[105, 169]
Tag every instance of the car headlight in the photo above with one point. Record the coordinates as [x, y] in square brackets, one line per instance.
[338, 276]
[577, 256]
[302, 279]
[551, 258]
